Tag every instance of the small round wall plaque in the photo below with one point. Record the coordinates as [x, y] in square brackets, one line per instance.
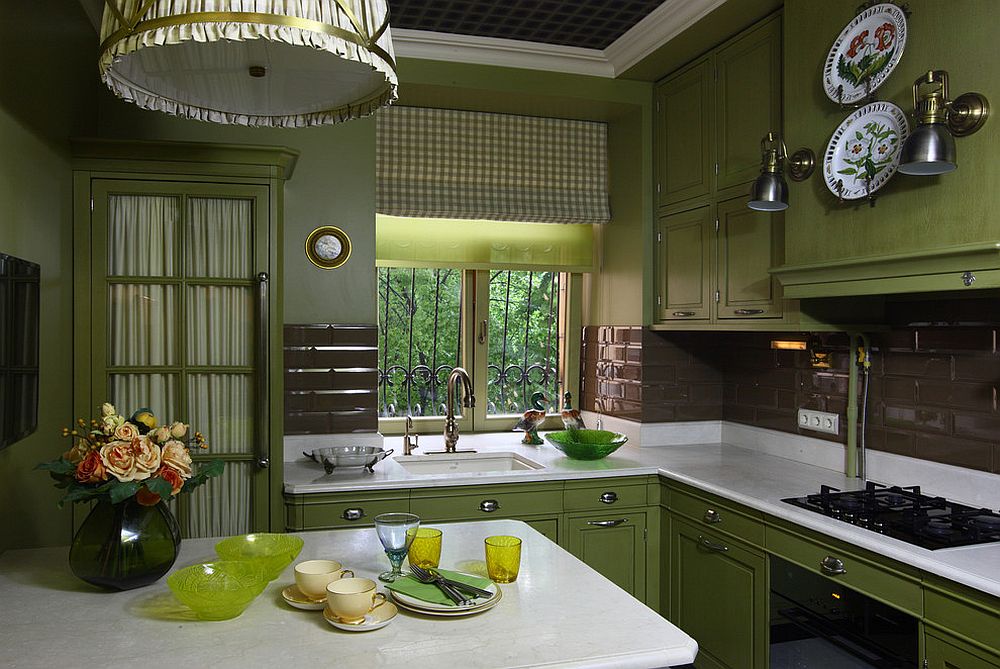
[328, 247]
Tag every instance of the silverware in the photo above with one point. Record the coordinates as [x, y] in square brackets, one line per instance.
[431, 575]
[452, 594]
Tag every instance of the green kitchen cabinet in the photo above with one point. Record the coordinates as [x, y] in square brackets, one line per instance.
[684, 133]
[685, 265]
[613, 544]
[749, 243]
[944, 651]
[328, 511]
[719, 595]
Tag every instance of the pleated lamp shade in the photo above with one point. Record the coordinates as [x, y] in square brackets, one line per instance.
[271, 63]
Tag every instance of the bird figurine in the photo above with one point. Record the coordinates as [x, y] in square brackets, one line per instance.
[571, 418]
[532, 420]
[144, 420]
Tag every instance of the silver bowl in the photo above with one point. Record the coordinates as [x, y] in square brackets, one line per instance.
[338, 457]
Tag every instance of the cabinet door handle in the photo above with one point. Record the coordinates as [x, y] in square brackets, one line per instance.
[832, 566]
[609, 497]
[263, 427]
[711, 545]
[968, 278]
[483, 324]
[683, 314]
[353, 514]
[748, 312]
[608, 523]
[489, 505]
[712, 516]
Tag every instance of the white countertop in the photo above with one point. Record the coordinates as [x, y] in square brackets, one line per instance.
[559, 613]
[750, 477]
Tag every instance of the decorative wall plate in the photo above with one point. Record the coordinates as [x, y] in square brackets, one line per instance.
[328, 247]
[865, 146]
[868, 48]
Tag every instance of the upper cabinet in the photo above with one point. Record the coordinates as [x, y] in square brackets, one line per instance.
[685, 110]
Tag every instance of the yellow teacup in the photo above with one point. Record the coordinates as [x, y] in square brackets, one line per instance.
[312, 576]
[351, 598]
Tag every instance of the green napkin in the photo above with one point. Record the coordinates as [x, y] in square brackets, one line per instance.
[429, 592]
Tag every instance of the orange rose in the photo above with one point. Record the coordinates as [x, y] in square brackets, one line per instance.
[78, 452]
[147, 458]
[91, 469]
[126, 432]
[119, 459]
[147, 498]
[171, 476]
[176, 456]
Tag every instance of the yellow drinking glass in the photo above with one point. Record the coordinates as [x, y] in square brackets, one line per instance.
[503, 558]
[425, 549]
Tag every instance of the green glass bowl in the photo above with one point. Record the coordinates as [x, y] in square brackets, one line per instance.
[273, 551]
[218, 590]
[586, 444]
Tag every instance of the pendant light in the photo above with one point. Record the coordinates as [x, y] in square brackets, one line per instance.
[930, 148]
[250, 62]
[769, 191]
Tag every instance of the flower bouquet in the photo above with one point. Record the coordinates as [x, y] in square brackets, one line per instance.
[130, 467]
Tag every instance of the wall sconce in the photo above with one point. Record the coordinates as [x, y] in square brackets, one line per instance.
[930, 148]
[769, 191]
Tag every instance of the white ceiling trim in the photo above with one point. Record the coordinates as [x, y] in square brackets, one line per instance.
[431, 45]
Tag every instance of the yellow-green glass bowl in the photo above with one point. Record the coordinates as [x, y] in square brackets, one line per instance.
[218, 590]
[586, 444]
[273, 551]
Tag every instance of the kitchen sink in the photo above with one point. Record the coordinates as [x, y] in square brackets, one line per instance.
[466, 463]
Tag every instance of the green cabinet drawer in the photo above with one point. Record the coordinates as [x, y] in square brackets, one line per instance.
[968, 614]
[318, 512]
[601, 494]
[875, 580]
[944, 651]
[485, 502]
[710, 512]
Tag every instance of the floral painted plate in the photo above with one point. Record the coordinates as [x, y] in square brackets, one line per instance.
[868, 48]
[864, 150]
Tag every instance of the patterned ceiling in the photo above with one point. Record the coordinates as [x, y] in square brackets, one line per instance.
[592, 24]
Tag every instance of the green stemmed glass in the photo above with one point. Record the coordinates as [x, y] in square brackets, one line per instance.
[396, 532]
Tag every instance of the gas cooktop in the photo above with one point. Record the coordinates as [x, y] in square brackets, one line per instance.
[905, 514]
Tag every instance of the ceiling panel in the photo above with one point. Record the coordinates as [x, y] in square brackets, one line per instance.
[592, 24]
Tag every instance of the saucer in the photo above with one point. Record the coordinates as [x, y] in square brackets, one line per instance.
[295, 598]
[379, 617]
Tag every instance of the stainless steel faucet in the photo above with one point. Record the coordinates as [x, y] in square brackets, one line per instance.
[468, 401]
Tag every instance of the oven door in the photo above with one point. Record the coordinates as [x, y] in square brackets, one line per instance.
[818, 624]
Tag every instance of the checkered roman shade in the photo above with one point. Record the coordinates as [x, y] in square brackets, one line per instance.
[445, 163]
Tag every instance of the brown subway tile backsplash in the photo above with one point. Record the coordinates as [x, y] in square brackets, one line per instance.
[330, 378]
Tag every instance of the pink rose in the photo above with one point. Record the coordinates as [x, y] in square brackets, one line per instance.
[178, 430]
[119, 459]
[147, 458]
[176, 455]
[160, 435]
[126, 432]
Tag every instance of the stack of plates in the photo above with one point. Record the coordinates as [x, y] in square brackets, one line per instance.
[431, 609]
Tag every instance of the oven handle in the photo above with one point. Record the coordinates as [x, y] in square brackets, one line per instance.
[832, 566]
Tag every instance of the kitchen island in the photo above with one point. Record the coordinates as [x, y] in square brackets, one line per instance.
[559, 613]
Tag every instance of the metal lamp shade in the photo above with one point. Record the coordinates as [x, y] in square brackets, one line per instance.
[769, 193]
[271, 64]
[929, 150]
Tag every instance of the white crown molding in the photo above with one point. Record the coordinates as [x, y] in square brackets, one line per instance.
[431, 45]
[663, 24]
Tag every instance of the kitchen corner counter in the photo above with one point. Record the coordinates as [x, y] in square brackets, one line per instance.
[559, 613]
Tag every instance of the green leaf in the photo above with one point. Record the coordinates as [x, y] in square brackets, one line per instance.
[214, 468]
[80, 493]
[848, 170]
[159, 487]
[60, 466]
[857, 133]
[122, 491]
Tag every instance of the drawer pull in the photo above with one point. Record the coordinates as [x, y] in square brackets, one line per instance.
[608, 523]
[748, 312]
[683, 314]
[711, 545]
[489, 505]
[609, 497]
[353, 514]
[712, 516]
[832, 566]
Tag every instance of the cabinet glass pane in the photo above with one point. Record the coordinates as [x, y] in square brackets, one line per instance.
[220, 325]
[218, 240]
[222, 507]
[157, 392]
[141, 324]
[142, 234]
[221, 407]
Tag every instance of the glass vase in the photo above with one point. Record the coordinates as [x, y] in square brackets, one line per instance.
[125, 545]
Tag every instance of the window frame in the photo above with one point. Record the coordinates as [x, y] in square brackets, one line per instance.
[475, 355]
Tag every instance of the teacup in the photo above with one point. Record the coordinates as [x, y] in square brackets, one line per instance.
[351, 598]
[312, 576]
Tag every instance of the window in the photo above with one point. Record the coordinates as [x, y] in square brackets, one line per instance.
[507, 328]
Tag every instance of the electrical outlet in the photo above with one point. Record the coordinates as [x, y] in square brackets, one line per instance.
[819, 421]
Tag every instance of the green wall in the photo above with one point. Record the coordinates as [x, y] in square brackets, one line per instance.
[911, 212]
[45, 97]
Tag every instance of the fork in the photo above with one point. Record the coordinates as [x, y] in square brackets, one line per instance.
[432, 575]
[448, 590]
